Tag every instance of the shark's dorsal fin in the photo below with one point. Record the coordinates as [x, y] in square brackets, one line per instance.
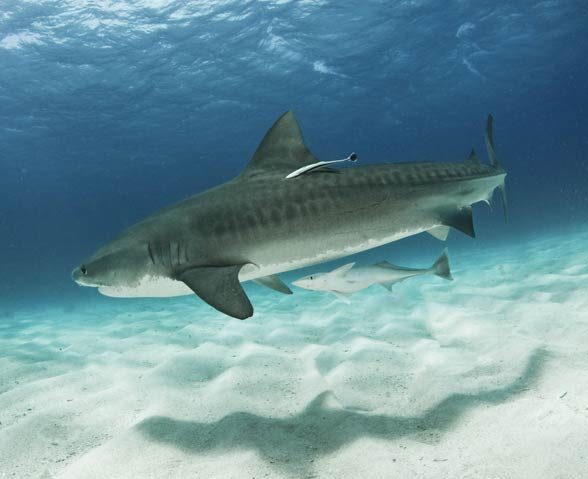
[282, 149]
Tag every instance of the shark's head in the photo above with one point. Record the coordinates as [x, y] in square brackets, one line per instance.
[116, 267]
[314, 282]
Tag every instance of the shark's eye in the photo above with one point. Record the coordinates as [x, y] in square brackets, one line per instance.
[311, 277]
[83, 270]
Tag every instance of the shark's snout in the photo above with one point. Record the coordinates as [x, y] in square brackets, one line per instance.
[76, 274]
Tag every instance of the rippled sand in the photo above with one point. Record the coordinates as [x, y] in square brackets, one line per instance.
[485, 377]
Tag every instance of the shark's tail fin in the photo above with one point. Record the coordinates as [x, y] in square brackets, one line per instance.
[490, 143]
[441, 266]
[494, 160]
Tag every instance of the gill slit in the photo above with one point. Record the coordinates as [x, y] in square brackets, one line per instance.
[150, 253]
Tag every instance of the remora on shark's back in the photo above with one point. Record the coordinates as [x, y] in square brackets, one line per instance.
[261, 223]
[348, 279]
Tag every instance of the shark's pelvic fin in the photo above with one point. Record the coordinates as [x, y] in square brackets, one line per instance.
[219, 286]
[460, 219]
[273, 282]
[282, 149]
[439, 232]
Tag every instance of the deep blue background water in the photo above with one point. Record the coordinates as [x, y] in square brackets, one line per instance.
[111, 109]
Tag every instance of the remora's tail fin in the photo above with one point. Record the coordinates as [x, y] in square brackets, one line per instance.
[441, 266]
[494, 160]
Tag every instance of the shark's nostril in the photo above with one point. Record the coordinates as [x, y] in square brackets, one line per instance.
[78, 273]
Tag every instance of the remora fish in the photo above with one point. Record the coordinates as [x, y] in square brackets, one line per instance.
[261, 223]
[347, 279]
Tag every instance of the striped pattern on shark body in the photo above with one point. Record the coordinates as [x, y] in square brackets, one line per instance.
[267, 221]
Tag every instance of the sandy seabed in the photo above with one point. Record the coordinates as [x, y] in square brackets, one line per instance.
[485, 377]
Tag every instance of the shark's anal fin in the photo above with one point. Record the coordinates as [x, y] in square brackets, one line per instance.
[460, 219]
[219, 286]
[439, 232]
[275, 283]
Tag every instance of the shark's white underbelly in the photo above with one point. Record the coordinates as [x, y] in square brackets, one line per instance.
[148, 287]
[300, 260]
[162, 286]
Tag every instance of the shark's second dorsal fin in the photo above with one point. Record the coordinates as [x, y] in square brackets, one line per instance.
[282, 149]
[472, 159]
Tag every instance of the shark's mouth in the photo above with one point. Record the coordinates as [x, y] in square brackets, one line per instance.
[81, 282]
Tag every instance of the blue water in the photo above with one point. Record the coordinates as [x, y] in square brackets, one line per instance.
[110, 110]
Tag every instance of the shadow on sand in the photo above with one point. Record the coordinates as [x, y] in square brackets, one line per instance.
[292, 444]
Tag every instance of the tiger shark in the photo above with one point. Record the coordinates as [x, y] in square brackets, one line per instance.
[278, 215]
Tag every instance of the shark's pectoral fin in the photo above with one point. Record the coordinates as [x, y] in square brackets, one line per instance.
[439, 232]
[219, 286]
[460, 219]
[275, 283]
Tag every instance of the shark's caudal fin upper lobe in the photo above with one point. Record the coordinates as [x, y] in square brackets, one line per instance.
[494, 160]
[461, 218]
